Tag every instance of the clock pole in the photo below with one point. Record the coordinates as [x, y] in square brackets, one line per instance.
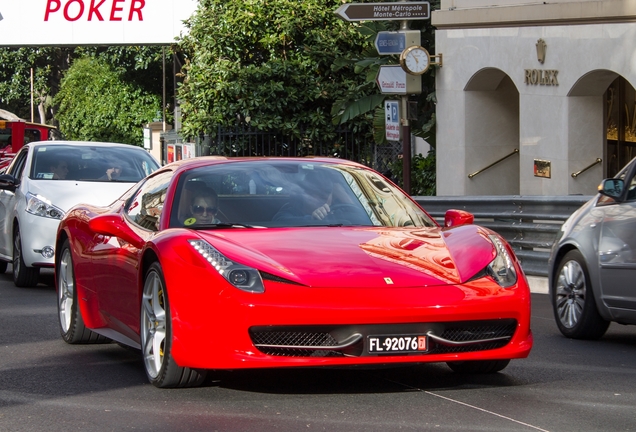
[406, 135]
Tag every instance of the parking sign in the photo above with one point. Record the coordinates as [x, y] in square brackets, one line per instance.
[392, 120]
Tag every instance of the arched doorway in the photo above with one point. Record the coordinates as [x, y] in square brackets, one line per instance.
[620, 125]
[602, 124]
[492, 133]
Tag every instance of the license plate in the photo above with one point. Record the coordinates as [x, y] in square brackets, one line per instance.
[397, 344]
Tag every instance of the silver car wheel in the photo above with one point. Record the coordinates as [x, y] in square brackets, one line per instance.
[17, 253]
[65, 289]
[570, 293]
[153, 324]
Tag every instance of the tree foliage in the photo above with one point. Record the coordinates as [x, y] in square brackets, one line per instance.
[137, 68]
[97, 104]
[267, 64]
[48, 66]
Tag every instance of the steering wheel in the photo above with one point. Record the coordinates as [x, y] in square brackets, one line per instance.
[350, 212]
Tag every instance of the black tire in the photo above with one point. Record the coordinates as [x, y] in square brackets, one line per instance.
[23, 276]
[573, 301]
[478, 366]
[71, 323]
[161, 369]
[3, 266]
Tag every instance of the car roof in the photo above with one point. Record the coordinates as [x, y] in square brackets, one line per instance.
[81, 143]
[188, 164]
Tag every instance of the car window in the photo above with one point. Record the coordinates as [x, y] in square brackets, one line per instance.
[146, 205]
[17, 166]
[91, 163]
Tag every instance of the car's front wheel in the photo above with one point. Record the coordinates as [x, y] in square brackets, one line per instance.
[573, 300]
[23, 276]
[156, 336]
[72, 326]
[478, 366]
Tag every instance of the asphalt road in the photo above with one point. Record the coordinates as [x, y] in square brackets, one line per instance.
[565, 385]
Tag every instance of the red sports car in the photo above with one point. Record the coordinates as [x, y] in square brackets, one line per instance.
[215, 263]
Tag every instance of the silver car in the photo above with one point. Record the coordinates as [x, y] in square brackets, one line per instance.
[47, 178]
[593, 262]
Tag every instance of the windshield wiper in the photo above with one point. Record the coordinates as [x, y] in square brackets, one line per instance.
[222, 225]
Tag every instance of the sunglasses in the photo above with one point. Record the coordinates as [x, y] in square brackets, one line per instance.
[199, 210]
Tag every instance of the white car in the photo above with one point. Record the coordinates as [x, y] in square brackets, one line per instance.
[46, 179]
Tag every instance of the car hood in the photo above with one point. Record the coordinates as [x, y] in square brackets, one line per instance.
[360, 257]
[65, 194]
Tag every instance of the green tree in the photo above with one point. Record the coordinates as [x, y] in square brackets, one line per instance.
[48, 66]
[96, 104]
[266, 64]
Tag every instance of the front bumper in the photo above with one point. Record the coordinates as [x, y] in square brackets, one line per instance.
[214, 324]
[37, 233]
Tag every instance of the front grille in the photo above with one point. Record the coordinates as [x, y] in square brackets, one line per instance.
[295, 338]
[288, 339]
[475, 332]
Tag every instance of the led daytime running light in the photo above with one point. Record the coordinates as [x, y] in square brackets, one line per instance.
[242, 277]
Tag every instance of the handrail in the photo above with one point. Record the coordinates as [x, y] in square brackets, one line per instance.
[596, 162]
[492, 164]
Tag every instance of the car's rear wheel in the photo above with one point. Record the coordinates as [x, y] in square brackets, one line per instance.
[156, 336]
[23, 276]
[478, 366]
[72, 326]
[573, 300]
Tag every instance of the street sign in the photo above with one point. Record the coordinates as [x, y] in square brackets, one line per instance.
[406, 11]
[392, 120]
[394, 42]
[394, 80]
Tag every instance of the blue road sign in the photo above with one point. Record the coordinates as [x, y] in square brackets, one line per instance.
[390, 42]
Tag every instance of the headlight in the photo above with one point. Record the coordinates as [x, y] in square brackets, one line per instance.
[501, 269]
[242, 277]
[40, 206]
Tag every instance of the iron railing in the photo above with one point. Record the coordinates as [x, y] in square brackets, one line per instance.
[529, 223]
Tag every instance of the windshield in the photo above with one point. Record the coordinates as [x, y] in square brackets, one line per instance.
[275, 193]
[79, 162]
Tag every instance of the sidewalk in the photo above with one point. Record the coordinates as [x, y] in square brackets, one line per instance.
[538, 284]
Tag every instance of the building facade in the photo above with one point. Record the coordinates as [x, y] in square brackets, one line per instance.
[545, 88]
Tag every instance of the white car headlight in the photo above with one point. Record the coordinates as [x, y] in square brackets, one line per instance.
[40, 206]
[502, 268]
[242, 277]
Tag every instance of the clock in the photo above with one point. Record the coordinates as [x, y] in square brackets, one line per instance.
[415, 60]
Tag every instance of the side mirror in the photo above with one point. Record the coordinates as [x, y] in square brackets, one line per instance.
[457, 217]
[113, 225]
[8, 182]
[612, 188]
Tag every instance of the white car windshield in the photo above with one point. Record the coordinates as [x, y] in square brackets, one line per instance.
[79, 162]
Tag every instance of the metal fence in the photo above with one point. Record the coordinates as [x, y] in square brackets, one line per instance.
[342, 143]
[529, 223]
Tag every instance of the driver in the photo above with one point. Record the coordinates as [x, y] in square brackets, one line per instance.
[315, 201]
[203, 208]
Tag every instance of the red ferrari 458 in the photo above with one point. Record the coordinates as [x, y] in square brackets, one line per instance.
[215, 263]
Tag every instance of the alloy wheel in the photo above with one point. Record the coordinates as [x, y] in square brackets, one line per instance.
[65, 290]
[570, 293]
[153, 324]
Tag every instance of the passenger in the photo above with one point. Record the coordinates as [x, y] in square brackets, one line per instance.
[59, 168]
[113, 172]
[203, 208]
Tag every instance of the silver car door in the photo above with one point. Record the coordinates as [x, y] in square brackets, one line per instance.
[617, 251]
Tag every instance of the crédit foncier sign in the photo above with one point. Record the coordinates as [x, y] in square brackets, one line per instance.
[92, 22]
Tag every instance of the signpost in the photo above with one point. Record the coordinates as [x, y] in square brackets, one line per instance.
[394, 80]
[398, 11]
[394, 42]
[392, 120]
